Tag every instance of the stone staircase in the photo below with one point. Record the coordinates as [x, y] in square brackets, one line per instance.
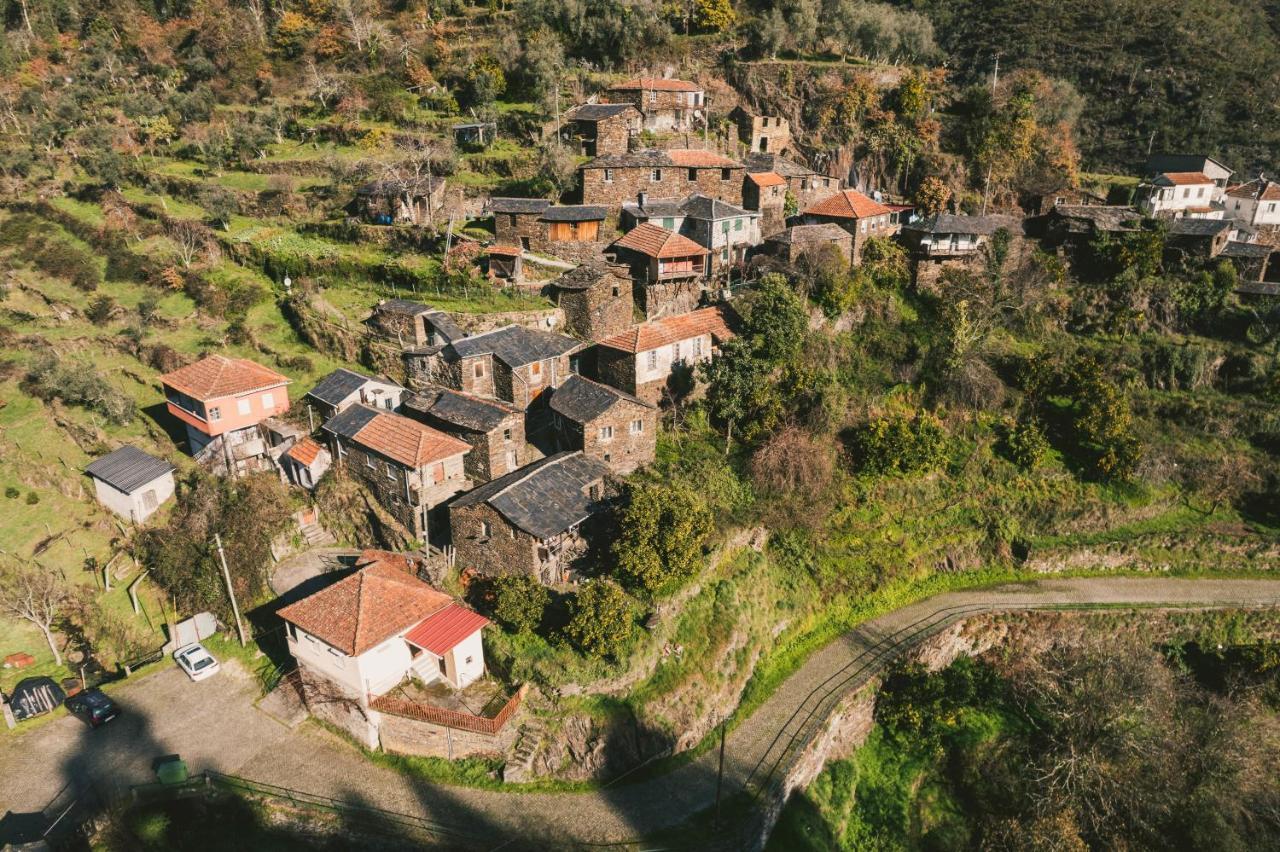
[316, 535]
[528, 740]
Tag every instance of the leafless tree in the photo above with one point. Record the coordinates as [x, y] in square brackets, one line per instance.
[190, 238]
[37, 595]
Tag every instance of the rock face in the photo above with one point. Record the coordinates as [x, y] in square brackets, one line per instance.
[589, 749]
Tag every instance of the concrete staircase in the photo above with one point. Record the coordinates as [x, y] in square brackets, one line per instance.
[316, 535]
[528, 740]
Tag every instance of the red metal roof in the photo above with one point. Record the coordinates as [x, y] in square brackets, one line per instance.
[442, 631]
[847, 204]
[216, 376]
[648, 239]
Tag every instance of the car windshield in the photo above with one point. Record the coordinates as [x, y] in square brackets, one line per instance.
[200, 663]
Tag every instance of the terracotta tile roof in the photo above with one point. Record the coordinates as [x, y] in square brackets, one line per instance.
[442, 631]
[407, 441]
[660, 332]
[656, 83]
[648, 239]
[695, 158]
[305, 451]
[847, 204]
[764, 179]
[363, 610]
[505, 251]
[216, 376]
[1179, 178]
[1259, 188]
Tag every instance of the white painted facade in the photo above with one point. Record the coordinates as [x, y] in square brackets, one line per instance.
[139, 505]
[1254, 212]
[1184, 199]
[656, 365]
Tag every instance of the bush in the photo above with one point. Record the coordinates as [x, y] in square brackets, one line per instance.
[32, 498]
[12, 493]
[100, 309]
[1024, 442]
[519, 602]
[78, 384]
[602, 622]
[899, 444]
[662, 533]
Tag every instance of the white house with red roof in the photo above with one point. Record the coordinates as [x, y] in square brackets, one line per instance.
[1256, 203]
[1176, 194]
[380, 625]
[642, 360]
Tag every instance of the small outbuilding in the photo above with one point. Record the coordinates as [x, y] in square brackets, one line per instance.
[131, 483]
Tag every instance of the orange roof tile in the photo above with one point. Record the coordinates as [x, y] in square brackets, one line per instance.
[216, 376]
[305, 451]
[763, 179]
[363, 610]
[697, 158]
[505, 251]
[1259, 188]
[660, 332]
[1179, 178]
[656, 83]
[649, 239]
[847, 204]
[407, 441]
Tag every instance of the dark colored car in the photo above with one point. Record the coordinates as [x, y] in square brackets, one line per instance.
[93, 706]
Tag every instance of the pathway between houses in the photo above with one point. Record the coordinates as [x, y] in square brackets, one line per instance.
[213, 725]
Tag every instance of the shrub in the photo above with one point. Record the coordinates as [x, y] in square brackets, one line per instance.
[662, 531]
[1024, 442]
[78, 384]
[12, 493]
[899, 444]
[519, 602]
[792, 461]
[100, 309]
[32, 498]
[602, 622]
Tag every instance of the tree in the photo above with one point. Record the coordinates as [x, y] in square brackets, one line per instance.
[519, 602]
[931, 196]
[602, 622]
[792, 461]
[662, 533]
[899, 443]
[776, 320]
[37, 595]
[221, 204]
[714, 15]
[734, 379]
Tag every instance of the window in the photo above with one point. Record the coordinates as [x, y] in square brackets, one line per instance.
[485, 529]
[653, 97]
[391, 471]
[606, 433]
[506, 435]
[726, 174]
[1271, 208]
[535, 368]
[656, 175]
[268, 402]
[242, 406]
[675, 351]
[693, 174]
[369, 462]
[724, 254]
[215, 413]
[653, 359]
[511, 219]
[608, 175]
[594, 492]
[863, 226]
[617, 291]
[737, 224]
[1200, 192]
[437, 473]
[669, 223]
[1186, 193]
[479, 370]
[637, 427]
[469, 660]
[697, 347]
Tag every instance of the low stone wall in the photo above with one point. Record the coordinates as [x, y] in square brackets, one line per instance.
[403, 735]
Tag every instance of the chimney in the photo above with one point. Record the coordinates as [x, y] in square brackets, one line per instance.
[640, 199]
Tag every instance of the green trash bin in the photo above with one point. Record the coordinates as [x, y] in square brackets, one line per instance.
[172, 771]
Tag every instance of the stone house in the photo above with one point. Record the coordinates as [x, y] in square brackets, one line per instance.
[530, 522]
[415, 200]
[762, 133]
[1075, 226]
[614, 179]
[599, 129]
[1203, 238]
[343, 388]
[726, 231]
[1174, 194]
[803, 183]
[766, 193]
[1256, 203]
[1069, 196]
[947, 240]
[516, 220]
[669, 270]
[861, 216]
[660, 355]
[410, 467]
[305, 462]
[407, 323]
[799, 241]
[665, 104]
[1251, 260]
[131, 483]
[605, 424]
[596, 300]
[512, 363]
[493, 429]
[537, 225]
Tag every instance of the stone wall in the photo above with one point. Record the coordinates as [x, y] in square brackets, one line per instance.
[670, 298]
[613, 135]
[506, 550]
[617, 369]
[511, 228]
[403, 735]
[625, 450]
[599, 311]
[404, 503]
[628, 182]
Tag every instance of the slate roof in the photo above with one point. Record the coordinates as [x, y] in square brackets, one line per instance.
[403, 306]
[339, 385]
[525, 206]
[463, 410]
[216, 376]
[346, 424]
[128, 469]
[824, 232]
[363, 610]
[1238, 249]
[515, 345]
[660, 84]
[444, 324]
[654, 208]
[404, 440]
[1099, 218]
[653, 158]
[1186, 226]
[583, 400]
[588, 275]
[599, 112]
[574, 213]
[305, 451]
[650, 240]
[847, 204]
[443, 631]
[763, 162]
[950, 223]
[544, 498]
[706, 207]
[660, 332]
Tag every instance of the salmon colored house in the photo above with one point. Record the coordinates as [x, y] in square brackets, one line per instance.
[219, 396]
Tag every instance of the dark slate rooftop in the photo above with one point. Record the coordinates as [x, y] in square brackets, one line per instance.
[706, 207]
[824, 232]
[574, 213]
[459, 409]
[1186, 226]
[527, 206]
[1237, 249]
[403, 306]
[599, 112]
[1109, 218]
[590, 274]
[950, 223]
[444, 324]
[345, 424]
[544, 498]
[654, 208]
[339, 385]
[515, 345]
[583, 400]
[128, 469]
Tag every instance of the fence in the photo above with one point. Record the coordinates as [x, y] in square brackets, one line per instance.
[489, 725]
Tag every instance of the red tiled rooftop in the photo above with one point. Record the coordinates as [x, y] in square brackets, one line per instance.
[216, 376]
[505, 251]
[660, 332]
[656, 83]
[701, 159]
[1180, 178]
[763, 179]
[407, 441]
[440, 632]
[648, 239]
[847, 204]
[363, 610]
[305, 451]
[1260, 188]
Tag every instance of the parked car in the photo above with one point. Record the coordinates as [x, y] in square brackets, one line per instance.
[196, 661]
[93, 706]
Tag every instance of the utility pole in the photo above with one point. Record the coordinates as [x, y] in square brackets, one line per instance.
[986, 186]
[719, 780]
[226, 575]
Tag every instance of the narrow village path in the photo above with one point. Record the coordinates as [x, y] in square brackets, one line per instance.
[214, 726]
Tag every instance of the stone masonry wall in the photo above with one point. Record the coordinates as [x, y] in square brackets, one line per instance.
[600, 311]
[630, 181]
[415, 737]
[507, 550]
[626, 450]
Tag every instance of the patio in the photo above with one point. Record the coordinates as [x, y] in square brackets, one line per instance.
[483, 697]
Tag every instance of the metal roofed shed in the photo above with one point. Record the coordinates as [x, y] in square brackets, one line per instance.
[131, 483]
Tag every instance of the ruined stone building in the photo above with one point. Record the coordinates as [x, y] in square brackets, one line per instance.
[598, 129]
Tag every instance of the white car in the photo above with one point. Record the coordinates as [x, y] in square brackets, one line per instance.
[196, 661]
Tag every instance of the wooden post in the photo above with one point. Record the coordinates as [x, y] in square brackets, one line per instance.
[226, 575]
